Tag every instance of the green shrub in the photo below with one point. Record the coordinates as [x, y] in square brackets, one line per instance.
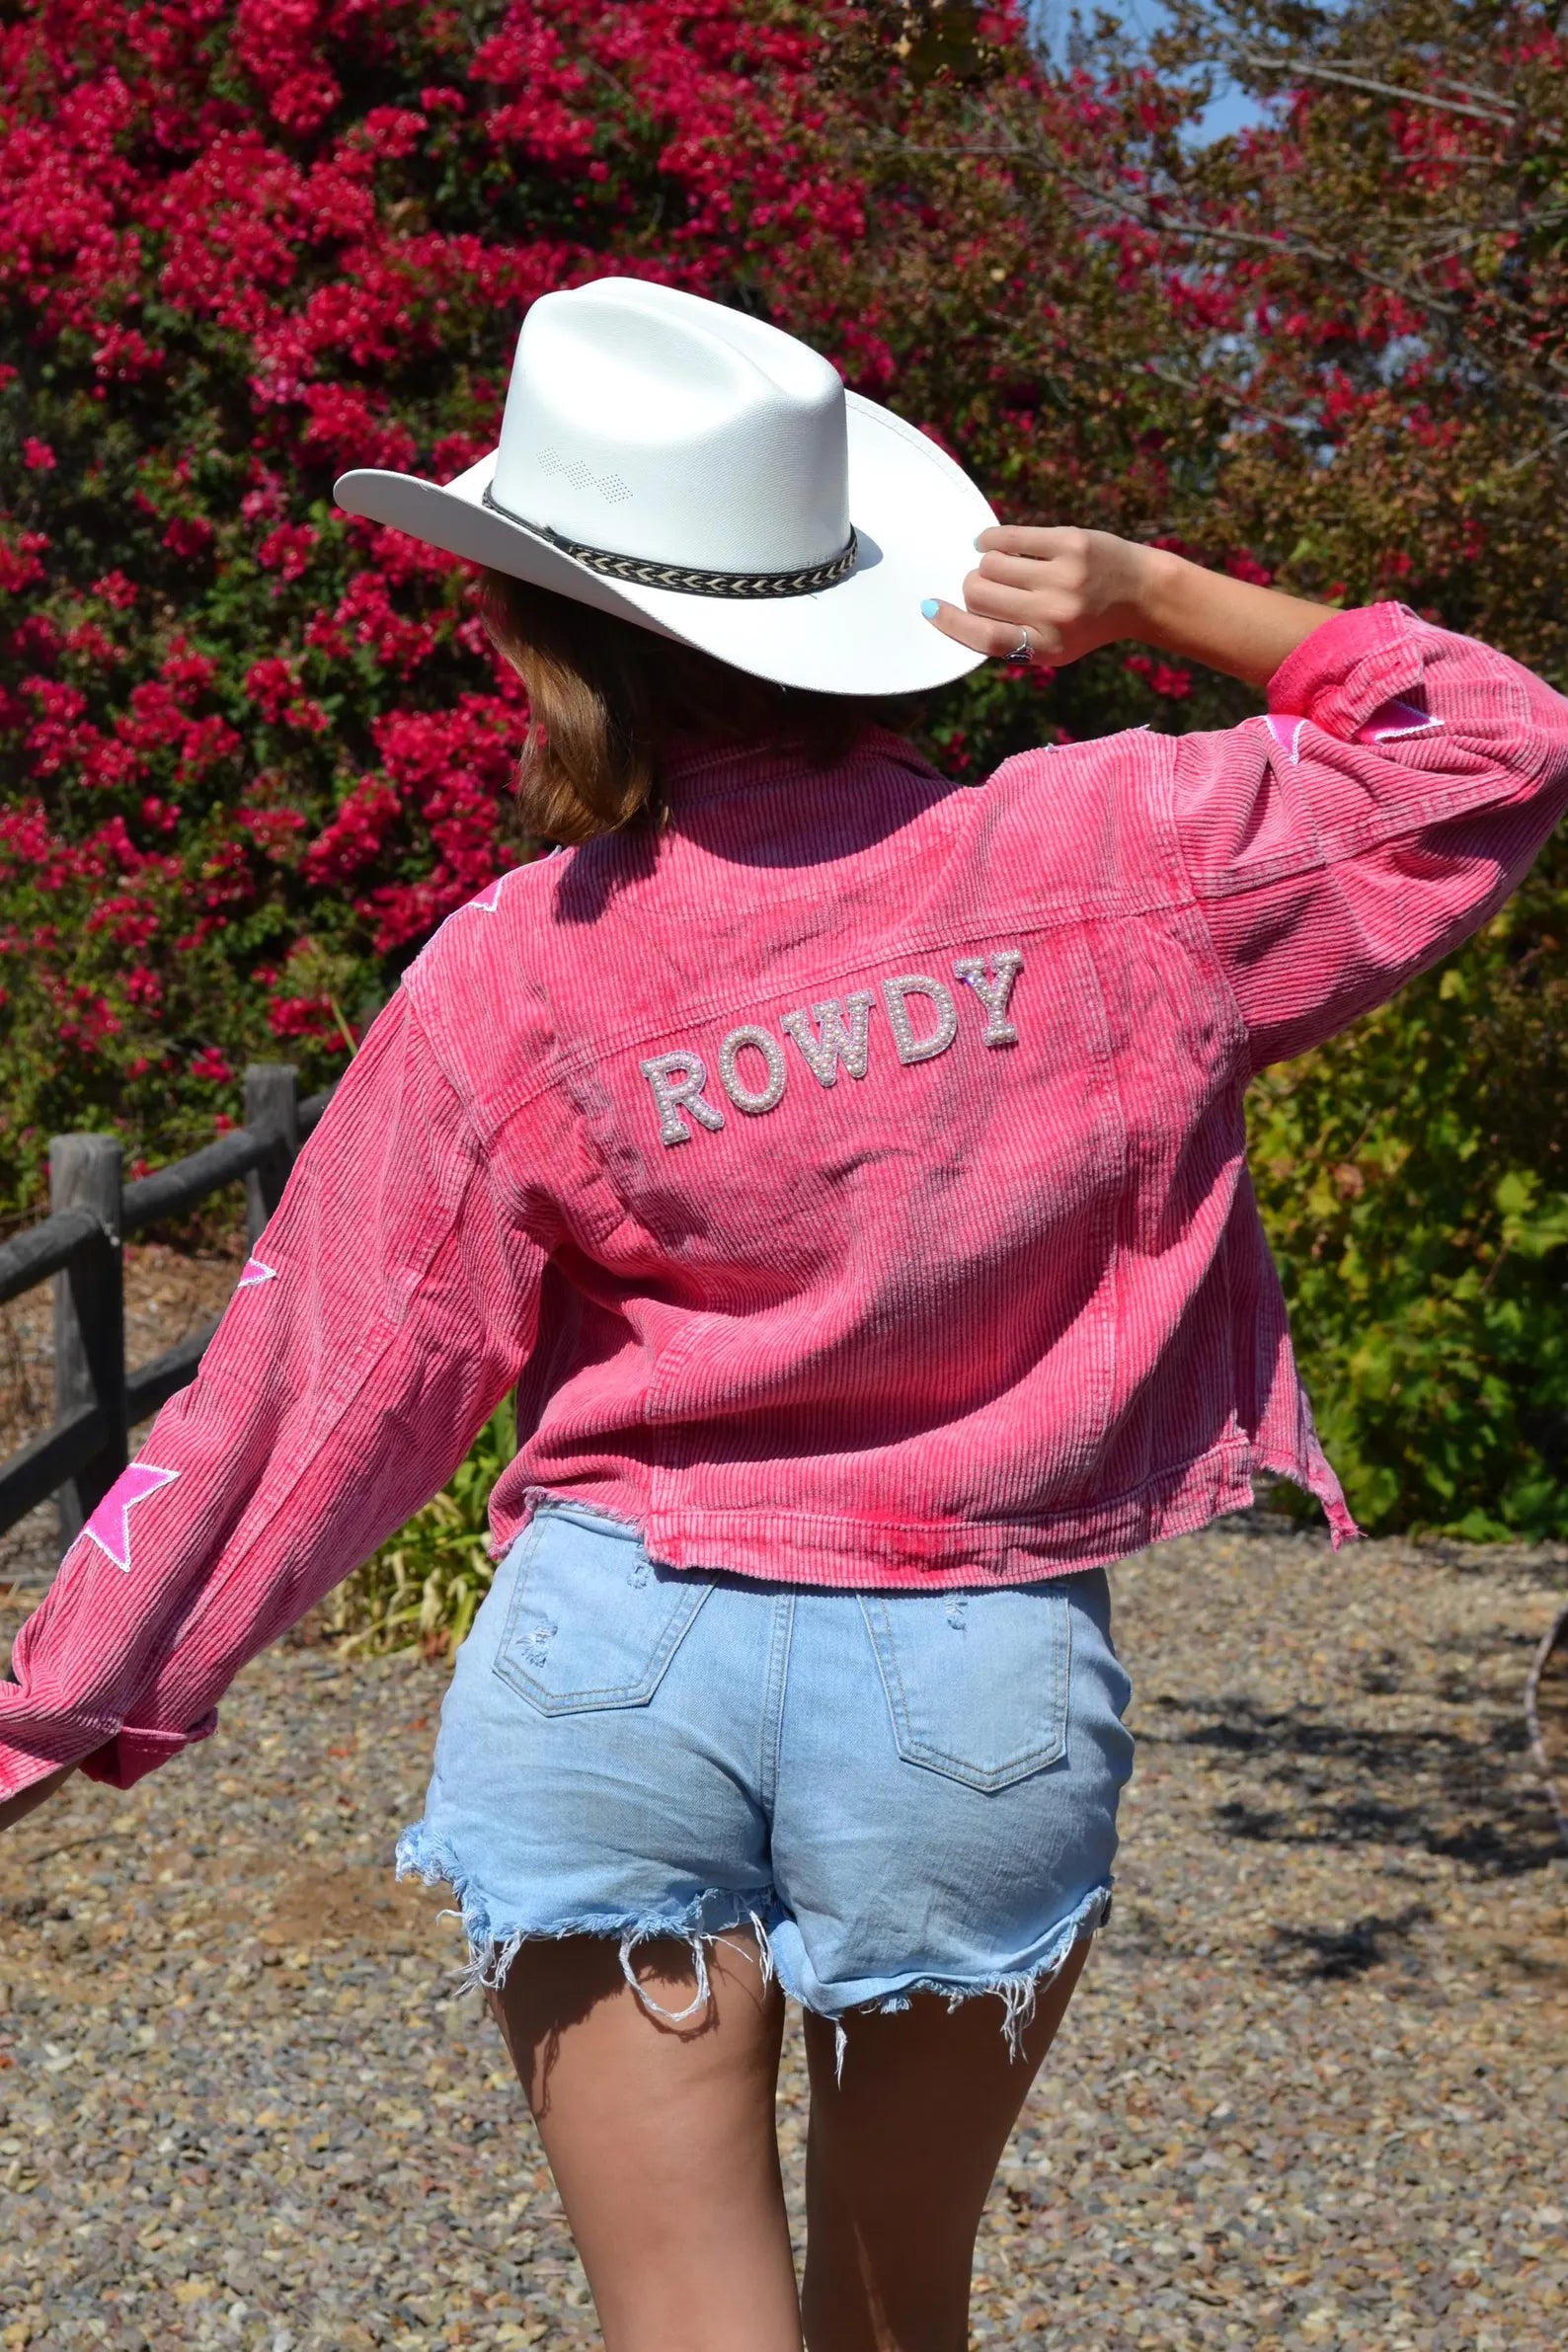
[422, 1588]
[1413, 1177]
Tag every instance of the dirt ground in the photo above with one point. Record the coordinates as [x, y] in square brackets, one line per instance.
[1310, 2094]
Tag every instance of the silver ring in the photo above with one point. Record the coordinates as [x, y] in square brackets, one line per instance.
[1023, 650]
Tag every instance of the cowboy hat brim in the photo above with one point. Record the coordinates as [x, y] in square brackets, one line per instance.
[915, 515]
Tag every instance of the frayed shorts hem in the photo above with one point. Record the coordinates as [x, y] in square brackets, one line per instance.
[1018, 1988]
[494, 1942]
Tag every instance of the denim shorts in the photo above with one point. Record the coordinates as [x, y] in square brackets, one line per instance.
[899, 1792]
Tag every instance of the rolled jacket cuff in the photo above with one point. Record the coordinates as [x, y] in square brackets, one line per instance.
[134, 1753]
[1349, 667]
[120, 1760]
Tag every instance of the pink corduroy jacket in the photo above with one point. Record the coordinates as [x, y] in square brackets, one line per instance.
[849, 1178]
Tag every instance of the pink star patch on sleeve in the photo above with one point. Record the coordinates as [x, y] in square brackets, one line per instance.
[255, 1274]
[110, 1524]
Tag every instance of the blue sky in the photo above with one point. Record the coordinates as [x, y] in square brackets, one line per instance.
[1230, 109]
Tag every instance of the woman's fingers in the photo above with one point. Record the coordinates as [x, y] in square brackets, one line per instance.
[1072, 589]
[1026, 579]
[998, 599]
[1040, 544]
[993, 617]
[1010, 571]
[997, 638]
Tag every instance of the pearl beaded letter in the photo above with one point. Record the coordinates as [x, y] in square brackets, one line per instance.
[837, 1040]
[894, 993]
[678, 1081]
[994, 992]
[763, 1041]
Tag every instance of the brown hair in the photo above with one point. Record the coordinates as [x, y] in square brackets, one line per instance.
[606, 699]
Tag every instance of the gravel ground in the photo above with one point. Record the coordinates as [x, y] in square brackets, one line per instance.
[1309, 2094]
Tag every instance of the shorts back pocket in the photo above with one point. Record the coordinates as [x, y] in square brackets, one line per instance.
[592, 1623]
[977, 1683]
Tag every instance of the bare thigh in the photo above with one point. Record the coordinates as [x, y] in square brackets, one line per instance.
[901, 2155]
[660, 2137]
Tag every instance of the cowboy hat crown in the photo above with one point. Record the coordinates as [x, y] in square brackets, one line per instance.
[661, 427]
[704, 475]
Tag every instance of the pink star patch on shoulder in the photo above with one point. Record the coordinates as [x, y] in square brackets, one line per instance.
[255, 1273]
[487, 901]
[110, 1524]
[1287, 733]
[1394, 721]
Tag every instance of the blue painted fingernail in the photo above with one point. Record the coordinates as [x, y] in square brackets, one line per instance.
[930, 608]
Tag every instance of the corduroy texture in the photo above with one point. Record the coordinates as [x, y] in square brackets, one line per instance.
[816, 1250]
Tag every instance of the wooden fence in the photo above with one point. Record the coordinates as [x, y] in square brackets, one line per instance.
[96, 1400]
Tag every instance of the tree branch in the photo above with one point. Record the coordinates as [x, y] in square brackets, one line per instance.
[1500, 113]
[1228, 395]
[1290, 246]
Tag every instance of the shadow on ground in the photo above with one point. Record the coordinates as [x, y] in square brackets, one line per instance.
[1463, 1792]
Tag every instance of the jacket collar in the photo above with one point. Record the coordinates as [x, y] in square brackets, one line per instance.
[696, 772]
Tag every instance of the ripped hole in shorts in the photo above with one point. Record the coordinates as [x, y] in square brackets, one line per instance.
[697, 1944]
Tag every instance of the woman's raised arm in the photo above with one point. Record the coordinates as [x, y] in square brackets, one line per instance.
[1074, 591]
[28, 1800]
[1395, 792]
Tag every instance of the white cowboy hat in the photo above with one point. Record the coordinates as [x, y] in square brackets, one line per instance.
[708, 476]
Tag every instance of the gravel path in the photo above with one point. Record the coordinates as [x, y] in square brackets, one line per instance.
[1310, 2094]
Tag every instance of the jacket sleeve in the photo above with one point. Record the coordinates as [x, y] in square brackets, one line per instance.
[1399, 788]
[388, 1307]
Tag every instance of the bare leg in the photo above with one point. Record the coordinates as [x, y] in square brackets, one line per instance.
[900, 2159]
[660, 2138]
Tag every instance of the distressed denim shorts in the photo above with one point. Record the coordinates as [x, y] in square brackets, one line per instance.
[899, 1792]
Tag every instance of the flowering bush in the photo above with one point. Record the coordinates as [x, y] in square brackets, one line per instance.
[256, 748]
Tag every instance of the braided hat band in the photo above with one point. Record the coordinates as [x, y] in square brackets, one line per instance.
[642, 572]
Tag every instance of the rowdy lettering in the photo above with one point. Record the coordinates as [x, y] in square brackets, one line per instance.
[833, 1035]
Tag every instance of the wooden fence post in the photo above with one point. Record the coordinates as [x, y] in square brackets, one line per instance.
[90, 1319]
[272, 1099]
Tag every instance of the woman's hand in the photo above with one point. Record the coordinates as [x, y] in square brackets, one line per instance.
[1071, 590]
[1074, 591]
[28, 1800]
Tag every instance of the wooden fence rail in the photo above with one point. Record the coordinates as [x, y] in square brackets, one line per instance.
[96, 1400]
